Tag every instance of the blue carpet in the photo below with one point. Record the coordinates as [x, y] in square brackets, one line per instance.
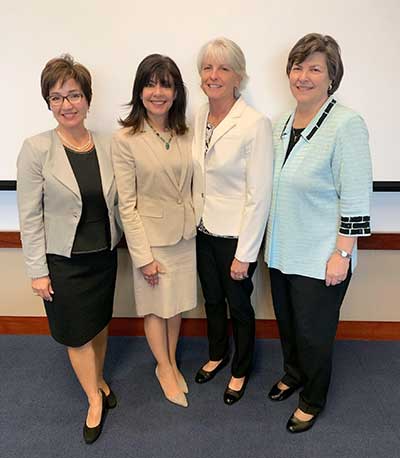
[42, 407]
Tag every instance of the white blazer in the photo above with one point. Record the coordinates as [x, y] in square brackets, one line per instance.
[236, 180]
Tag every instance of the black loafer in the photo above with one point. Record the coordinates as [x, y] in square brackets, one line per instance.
[203, 376]
[232, 396]
[111, 400]
[276, 394]
[294, 425]
[90, 435]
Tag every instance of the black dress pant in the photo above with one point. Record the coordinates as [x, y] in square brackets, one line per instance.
[307, 312]
[214, 259]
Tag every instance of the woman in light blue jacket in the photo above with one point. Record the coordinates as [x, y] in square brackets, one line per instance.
[67, 207]
[320, 205]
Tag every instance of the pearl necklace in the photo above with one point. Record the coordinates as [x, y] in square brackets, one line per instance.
[167, 144]
[70, 145]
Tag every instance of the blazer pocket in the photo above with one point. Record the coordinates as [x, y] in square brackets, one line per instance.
[150, 210]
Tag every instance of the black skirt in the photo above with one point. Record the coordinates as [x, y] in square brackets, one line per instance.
[83, 295]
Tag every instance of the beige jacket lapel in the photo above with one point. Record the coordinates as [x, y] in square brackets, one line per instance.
[103, 150]
[183, 150]
[61, 168]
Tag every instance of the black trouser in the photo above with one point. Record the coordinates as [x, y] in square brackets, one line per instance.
[214, 259]
[308, 313]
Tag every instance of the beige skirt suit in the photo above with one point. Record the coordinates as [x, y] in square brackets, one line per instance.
[156, 207]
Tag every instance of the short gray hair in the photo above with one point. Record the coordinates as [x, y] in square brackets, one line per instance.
[227, 51]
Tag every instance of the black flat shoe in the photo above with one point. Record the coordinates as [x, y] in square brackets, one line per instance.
[111, 400]
[294, 425]
[232, 396]
[90, 435]
[203, 376]
[276, 394]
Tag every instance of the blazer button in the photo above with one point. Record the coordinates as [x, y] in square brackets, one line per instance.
[179, 201]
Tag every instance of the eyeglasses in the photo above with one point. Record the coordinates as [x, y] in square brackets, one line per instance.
[58, 99]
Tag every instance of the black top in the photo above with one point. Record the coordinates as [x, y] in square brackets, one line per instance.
[93, 231]
[295, 135]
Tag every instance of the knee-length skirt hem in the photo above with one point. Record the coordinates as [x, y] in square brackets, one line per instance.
[83, 297]
[176, 291]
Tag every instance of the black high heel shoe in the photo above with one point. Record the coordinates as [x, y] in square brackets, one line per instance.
[295, 425]
[111, 400]
[232, 396]
[278, 394]
[90, 435]
[204, 376]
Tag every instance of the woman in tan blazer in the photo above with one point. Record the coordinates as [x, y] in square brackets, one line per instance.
[67, 207]
[153, 169]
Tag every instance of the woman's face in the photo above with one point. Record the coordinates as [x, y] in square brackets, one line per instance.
[70, 112]
[309, 81]
[218, 80]
[157, 98]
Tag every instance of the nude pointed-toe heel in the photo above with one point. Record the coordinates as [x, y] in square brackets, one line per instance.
[179, 399]
[182, 384]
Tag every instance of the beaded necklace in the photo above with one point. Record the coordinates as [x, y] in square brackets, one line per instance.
[167, 143]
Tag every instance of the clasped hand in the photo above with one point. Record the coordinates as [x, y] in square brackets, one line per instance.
[151, 272]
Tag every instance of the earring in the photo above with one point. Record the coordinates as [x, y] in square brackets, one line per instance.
[330, 86]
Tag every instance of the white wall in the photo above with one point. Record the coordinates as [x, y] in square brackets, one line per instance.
[111, 37]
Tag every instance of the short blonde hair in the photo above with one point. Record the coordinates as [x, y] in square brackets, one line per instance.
[225, 51]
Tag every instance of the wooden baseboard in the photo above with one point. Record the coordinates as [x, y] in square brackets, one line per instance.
[265, 329]
[378, 241]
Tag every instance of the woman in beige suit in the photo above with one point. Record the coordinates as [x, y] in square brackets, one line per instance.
[153, 169]
[67, 204]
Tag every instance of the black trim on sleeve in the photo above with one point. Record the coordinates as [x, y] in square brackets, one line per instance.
[355, 225]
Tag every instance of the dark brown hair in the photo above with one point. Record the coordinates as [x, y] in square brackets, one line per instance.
[61, 69]
[164, 70]
[315, 42]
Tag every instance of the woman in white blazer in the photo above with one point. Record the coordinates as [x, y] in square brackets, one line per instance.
[154, 169]
[233, 148]
[67, 208]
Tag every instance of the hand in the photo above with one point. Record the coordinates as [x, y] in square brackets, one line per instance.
[336, 269]
[151, 273]
[42, 287]
[239, 269]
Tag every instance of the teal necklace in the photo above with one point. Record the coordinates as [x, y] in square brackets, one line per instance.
[167, 143]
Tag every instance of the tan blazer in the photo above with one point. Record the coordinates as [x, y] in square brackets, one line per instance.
[49, 200]
[156, 209]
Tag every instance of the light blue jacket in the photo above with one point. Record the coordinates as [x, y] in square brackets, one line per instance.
[325, 178]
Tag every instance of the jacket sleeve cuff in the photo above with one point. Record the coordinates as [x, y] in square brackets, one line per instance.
[359, 226]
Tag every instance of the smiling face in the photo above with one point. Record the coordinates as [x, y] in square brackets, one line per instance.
[158, 97]
[69, 115]
[218, 80]
[309, 80]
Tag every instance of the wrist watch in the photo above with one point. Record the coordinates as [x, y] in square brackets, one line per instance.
[343, 254]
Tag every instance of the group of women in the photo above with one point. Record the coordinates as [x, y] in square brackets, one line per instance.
[202, 199]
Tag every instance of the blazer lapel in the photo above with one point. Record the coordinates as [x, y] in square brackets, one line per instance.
[228, 122]
[103, 156]
[184, 160]
[61, 168]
